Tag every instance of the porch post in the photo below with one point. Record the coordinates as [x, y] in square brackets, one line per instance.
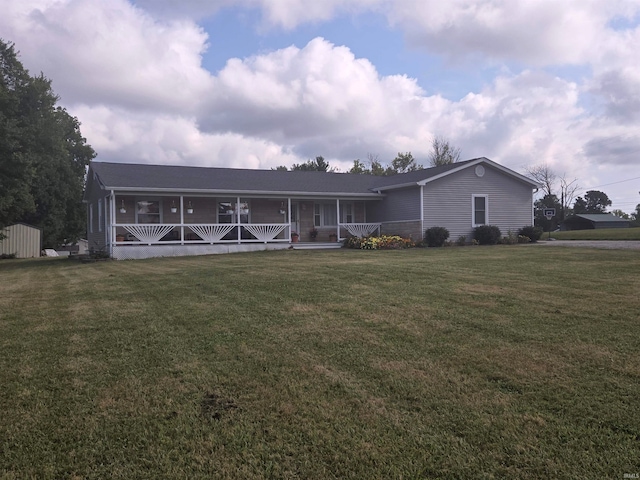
[289, 210]
[422, 212]
[238, 220]
[112, 220]
[181, 219]
[338, 218]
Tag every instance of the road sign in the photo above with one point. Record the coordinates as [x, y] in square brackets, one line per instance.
[549, 213]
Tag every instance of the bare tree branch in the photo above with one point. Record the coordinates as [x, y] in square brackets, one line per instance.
[442, 152]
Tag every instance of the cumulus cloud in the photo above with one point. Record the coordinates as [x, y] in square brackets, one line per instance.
[138, 137]
[134, 77]
[110, 52]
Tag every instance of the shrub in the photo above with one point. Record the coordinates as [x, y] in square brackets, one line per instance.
[487, 234]
[462, 241]
[534, 233]
[385, 242]
[523, 239]
[436, 236]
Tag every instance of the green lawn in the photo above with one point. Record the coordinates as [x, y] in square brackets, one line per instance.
[514, 362]
[600, 234]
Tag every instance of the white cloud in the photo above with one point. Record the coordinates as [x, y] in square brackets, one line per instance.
[122, 135]
[110, 52]
[138, 86]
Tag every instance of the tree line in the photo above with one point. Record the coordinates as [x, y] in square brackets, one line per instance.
[442, 153]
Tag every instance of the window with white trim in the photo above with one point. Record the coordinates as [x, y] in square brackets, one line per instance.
[148, 210]
[480, 210]
[91, 218]
[325, 215]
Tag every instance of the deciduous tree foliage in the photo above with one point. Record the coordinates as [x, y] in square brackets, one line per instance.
[404, 162]
[43, 156]
[594, 201]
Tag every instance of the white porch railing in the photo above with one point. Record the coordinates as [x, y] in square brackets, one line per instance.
[211, 233]
[150, 234]
[361, 229]
[265, 232]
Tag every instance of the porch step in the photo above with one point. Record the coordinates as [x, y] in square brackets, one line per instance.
[315, 245]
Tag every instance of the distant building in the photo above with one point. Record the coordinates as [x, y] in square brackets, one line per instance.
[590, 221]
[25, 241]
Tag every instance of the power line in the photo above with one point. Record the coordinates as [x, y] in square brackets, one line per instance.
[614, 183]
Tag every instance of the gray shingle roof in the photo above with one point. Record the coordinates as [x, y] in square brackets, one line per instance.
[161, 177]
[600, 217]
[132, 176]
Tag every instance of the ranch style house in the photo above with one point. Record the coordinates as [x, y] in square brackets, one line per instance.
[141, 211]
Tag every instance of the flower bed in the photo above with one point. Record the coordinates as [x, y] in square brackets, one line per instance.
[384, 242]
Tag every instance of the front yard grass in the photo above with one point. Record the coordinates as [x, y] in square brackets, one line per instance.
[477, 362]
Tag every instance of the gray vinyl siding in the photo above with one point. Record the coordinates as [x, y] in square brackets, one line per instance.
[96, 238]
[447, 202]
[398, 206]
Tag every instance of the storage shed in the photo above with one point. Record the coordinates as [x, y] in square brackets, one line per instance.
[25, 241]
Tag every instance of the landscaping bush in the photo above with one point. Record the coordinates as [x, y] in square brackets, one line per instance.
[534, 233]
[462, 241]
[436, 236]
[487, 234]
[385, 242]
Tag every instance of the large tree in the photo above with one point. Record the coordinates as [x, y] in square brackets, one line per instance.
[442, 152]
[43, 156]
[594, 201]
[548, 179]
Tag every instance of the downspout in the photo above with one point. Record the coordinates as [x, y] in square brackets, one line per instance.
[533, 209]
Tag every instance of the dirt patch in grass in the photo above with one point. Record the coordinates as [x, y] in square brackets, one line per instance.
[214, 406]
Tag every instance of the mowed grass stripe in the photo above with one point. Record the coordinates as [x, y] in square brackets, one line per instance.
[440, 363]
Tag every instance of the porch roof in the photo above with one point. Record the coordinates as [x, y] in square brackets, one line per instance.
[171, 178]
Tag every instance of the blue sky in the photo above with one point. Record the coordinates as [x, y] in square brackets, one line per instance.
[261, 83]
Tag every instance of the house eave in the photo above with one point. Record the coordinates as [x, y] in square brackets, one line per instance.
[207, 191]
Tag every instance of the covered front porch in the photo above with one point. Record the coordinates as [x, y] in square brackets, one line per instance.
[172, 224]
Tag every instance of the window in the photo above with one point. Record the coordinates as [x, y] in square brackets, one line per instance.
[148, 211]
[480, 212]
[325, 215]
[346, 212]
[99, 214]
[228, 208]
[91, 218]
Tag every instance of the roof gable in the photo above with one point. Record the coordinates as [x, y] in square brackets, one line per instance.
[422, 177]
